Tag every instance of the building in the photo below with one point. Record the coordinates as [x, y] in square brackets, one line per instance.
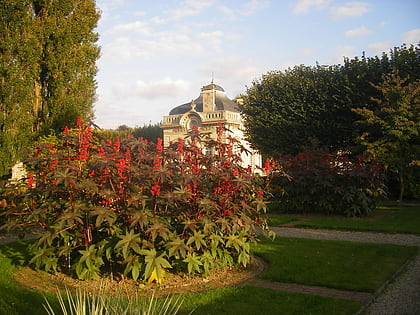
[210, 109]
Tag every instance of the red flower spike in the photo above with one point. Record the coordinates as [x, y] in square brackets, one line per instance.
[117, 145]
[220, 129]
[267, 165]
[180, 148]
[155, 190]
[101, 151]
[79, 122]
[159, 146]
[31, 180]
[157, 163]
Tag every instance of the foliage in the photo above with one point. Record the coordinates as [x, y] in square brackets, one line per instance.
[47, 70]
[133, 207]
[284, 110]
[149, 132]
[82, 303]
[320, 182]
[18, 55]
[392, 129]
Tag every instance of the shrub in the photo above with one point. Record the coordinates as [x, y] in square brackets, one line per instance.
[317, 181]
[130, 206]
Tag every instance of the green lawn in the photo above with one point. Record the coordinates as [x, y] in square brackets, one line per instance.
[334, 264]
[405, 219]
[251, 300]
[16, 300]
[276, 220]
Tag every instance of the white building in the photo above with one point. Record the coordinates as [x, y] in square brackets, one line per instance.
[206, 112]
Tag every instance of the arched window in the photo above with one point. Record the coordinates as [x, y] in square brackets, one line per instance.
[193, 121]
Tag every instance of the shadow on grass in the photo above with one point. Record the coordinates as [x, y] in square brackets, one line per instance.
[15, 299]
[250, 300]
[17, 252]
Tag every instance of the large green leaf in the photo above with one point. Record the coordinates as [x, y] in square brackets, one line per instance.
[154, 263]
[129, 241]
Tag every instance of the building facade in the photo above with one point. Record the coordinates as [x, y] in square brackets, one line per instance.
[208, 111]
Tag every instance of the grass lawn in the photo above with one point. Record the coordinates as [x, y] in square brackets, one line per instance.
[335, 264]
[405, 219]
[251, 300]
[16, 300]
[276, 220]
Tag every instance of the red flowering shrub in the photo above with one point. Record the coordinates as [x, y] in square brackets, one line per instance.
[132, 207]
[320, 182]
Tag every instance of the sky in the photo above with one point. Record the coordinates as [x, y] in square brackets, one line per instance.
[157, 54]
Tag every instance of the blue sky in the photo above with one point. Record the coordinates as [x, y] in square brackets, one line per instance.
[157, 54]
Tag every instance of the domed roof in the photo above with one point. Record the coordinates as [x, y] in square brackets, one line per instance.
[222, 102]
[212, 86]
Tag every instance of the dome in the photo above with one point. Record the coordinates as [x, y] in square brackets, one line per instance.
[221, 101]
[212, 86]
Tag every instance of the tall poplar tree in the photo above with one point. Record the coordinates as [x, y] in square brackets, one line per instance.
[48, 56]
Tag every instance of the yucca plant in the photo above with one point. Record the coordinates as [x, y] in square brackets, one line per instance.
[82, 303]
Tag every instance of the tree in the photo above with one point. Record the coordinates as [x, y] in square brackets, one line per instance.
[285, 110]
[65, 86]
[47, 74]
[392, 130]
[149, 132]
[18, 59]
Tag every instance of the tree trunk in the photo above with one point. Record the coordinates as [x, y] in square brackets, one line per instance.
[401, 180]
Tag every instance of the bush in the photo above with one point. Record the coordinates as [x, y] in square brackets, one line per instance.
[130, 206]
[317, 181]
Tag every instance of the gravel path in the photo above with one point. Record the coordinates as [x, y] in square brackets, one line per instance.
[402, 295]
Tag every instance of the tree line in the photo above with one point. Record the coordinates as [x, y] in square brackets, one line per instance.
[48, 54]
[365, 105]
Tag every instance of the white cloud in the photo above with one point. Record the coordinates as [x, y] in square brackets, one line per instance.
[163, 88]
[189, 8]
[135, 27]
[411, 37]
[233, 73]
[253, 6]
[358, 32]
[107, 6]
[377, 49]
[140, 13]
[350, 9]
[341, 53]
[246, 9]
[134, 40]
[304, 6]
[306, 52]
